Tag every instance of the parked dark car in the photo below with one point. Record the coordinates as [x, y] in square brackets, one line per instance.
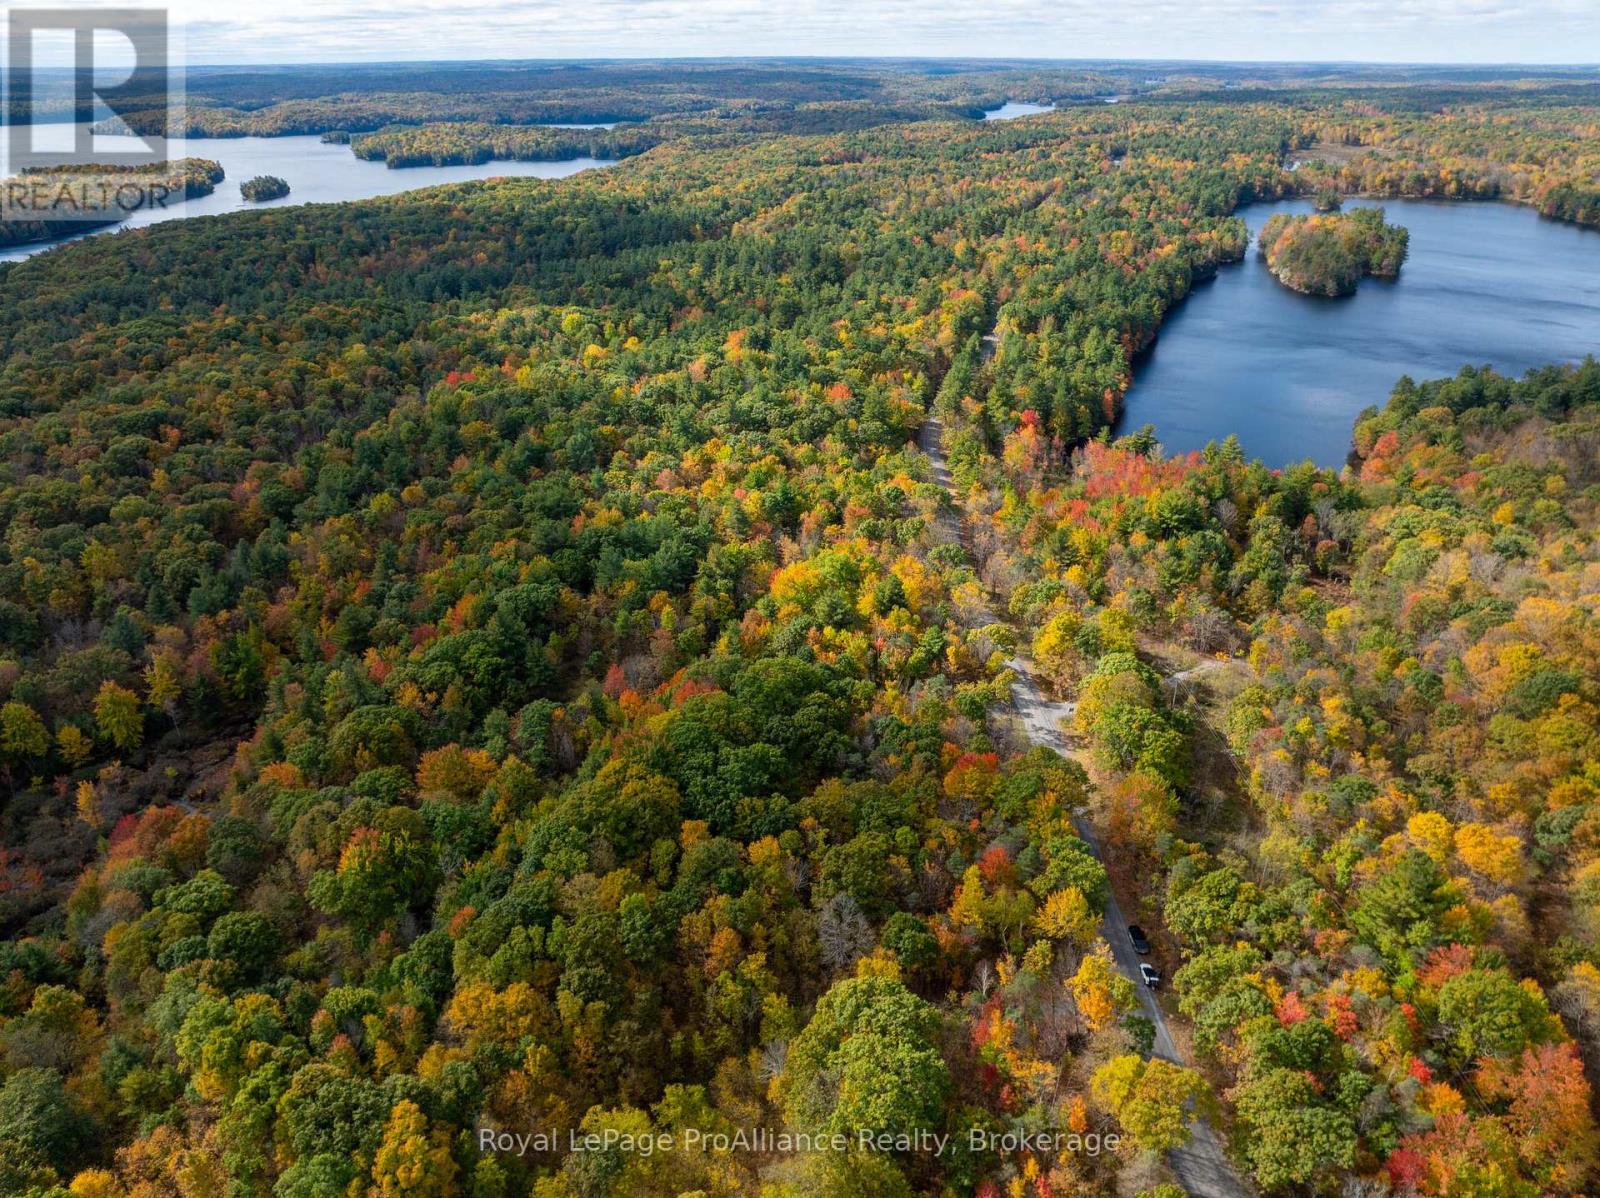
[1150, 974]
[1141, 944]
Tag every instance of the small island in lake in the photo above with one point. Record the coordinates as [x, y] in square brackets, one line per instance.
[1328, 254]
[264, 187]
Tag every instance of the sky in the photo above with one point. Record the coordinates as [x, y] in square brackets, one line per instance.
[1449, 31]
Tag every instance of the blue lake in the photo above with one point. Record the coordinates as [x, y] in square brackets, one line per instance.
[1484, 283]
[317, 173]
[1011, 110]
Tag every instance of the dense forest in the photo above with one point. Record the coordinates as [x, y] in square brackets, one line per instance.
[495, 660]
[237, 102]
[445, 143]
[1525, 145]
[1438, 133]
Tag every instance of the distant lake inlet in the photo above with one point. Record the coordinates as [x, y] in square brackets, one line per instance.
[1011, 109]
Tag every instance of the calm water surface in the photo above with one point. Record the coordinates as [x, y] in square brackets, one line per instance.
[317, 173]
[1484, 283]
[1011, 109]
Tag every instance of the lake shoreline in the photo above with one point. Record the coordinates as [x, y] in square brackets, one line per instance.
[1288, 373]
[317, 173]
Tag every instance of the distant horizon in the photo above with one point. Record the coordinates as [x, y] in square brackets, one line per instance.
[1439, 33]
[979, 59]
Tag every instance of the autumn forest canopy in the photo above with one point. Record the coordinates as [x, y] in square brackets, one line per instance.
[543, 657]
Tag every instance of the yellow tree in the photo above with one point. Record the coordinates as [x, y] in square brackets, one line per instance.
[116, 711]
[1152, 1099]
[73, 744]
[1430, 832]
[1066, 915]
[163, 679]
[1100, 991]
[413, 1161]
[1495, 855]
[22, 733]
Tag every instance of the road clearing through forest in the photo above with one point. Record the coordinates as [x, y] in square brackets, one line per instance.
[1202, 1166]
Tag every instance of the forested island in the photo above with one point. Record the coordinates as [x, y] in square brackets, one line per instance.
[1330, 253]
[264, 187]
[48, 202]
[525, 656]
